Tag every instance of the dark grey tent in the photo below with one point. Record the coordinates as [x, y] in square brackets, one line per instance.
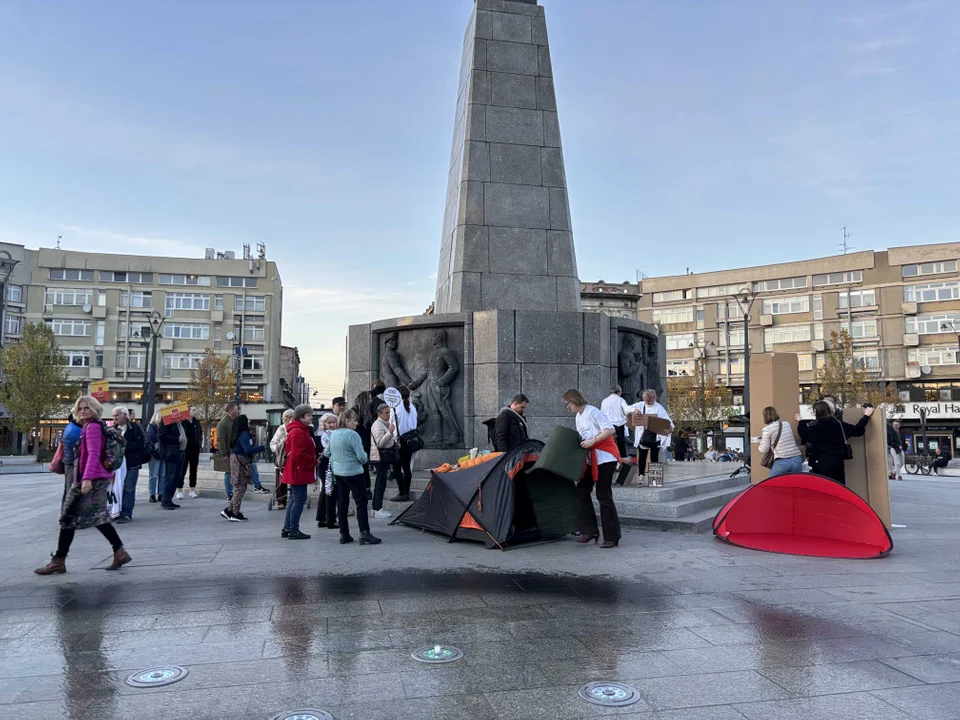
[501, 502]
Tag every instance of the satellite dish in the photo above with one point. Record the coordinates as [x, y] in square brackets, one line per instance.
[926, 369]
[87, 308]
[230, 336]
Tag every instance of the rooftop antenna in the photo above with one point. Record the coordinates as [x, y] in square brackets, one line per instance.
[59, 238]
[262, 251]
[844, 245]
[246, 251]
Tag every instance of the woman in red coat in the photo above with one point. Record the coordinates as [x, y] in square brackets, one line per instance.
[299, 469]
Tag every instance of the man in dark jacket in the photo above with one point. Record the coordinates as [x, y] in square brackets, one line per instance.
[134, 448]
[895, 446]
[194, 433]
[941, 460]
[366, 406]
[170, 455]
[511, 427]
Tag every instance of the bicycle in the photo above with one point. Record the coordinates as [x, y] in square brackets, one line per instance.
[920, 464]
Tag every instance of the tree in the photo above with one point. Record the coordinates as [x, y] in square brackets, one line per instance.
[211, 387]
[698, 402]
[35, 384]
[844, 377]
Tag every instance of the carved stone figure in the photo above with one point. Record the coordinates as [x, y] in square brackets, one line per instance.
[442, 368]
[650, 359]
[392, 369]
[630, 368]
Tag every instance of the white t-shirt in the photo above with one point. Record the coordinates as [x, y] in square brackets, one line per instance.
[590, 423]
[614, 408]
[406, 421]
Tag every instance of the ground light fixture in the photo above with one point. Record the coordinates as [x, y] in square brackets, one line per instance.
[157, 676]
[609, 694]
[437, 654]
[303, 714]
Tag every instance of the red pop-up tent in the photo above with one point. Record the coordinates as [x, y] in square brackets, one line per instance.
[803, 514]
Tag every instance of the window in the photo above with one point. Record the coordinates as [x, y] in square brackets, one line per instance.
[138, 330]
[136, 360]
[14, 325]
[253, 363]
[818, 307]
[236, 282]
[858, 298]
[125, 277]
[136, 299]
[805, 362]
[218, 302]
[679, 342]
[76, 358]
[729, 311]
[852, 276]
[67, 296]
[932, 355]
[680, 367]
[661, 297]
[101, 298]
[74, 328]
[182, 361]
[868, 360]
[733, 367]
[666, 316]
[101, 332]
[718, 291]
[258, 303]
[186, 331]
[184, 279]
[253, 333]
[186, 301]
[860, 329]
[933, 268]
[818, 331]
[733, 339]
[785, 306]
[777, 285]
[699, 318]
[15, 293]
[786, 334]
[932, 292]
[98, 358]
[64, 274]
[930, 324]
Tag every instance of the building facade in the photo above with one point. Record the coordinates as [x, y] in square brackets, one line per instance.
[901, 307]
[611, 299]
[100, 306]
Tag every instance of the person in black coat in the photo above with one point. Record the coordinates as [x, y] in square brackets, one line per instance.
[826, 438]
[941, 460]
[511, 427]
[194, 432]
[366, 406]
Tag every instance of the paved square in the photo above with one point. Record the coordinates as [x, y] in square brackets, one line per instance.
[701, 629]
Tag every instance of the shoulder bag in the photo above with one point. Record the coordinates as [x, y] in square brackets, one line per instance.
[648, 438]
[769, 457]
[411, 441]
[847, 448]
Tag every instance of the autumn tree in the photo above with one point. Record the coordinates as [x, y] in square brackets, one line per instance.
[844, 377]
[36, 384]
[211, 387]
[698, 402]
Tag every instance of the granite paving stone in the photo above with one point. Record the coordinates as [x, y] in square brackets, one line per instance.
[931, 702]
[838, 678]
[854, 706]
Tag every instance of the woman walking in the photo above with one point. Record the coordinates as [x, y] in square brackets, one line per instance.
[383, 452]
[348, 457]
[406, 423]
[299, 470]
[777, 435]
[826, 439]
[241, 461]
[88, 500]
[597, 435]
[327, 503]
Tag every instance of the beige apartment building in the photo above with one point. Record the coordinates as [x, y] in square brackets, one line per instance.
[100, 306]
[901, 307]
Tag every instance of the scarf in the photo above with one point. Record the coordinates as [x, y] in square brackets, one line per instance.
[610, 446]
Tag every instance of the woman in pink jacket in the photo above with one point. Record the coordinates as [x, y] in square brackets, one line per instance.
[87, 503]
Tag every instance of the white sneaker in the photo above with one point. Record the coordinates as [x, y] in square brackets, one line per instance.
[383, 514]
[193, 494]
[179, 495]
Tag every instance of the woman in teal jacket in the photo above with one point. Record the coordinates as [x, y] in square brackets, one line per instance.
[347, 457]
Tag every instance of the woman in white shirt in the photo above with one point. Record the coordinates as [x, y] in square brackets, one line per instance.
[597, 436]
[648, 405]
[406, 422]
[785, 450]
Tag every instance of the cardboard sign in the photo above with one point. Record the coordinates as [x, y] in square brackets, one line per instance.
[391, 396]
[100, 390]
[178, 412]
[652, 423]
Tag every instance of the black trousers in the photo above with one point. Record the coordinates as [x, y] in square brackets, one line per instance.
[829, 466]
[353, 484]
[191, 462]
[65, 540]
[642, 457]
[621, 438]
[609, 519]
[406, 474]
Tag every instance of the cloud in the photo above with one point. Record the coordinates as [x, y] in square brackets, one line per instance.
[111, 241]
[872, 70]
[880, 44]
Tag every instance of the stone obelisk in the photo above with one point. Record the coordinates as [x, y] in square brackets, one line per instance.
[508, 317]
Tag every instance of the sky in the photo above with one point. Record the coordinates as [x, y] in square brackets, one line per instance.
[704, 134]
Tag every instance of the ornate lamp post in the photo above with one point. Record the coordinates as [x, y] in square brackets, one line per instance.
[745, 298]
[156, 321]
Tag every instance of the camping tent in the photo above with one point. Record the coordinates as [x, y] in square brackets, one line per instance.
[502, 502]
[803, 514]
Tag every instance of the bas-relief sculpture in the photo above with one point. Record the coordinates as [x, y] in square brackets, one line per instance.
[638, 365]
[428, 361]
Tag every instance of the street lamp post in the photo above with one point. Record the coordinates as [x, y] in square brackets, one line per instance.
[745, 298]
[156, 329]
[702, 345]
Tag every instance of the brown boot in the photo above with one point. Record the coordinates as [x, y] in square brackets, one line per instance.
[56, 566]
[120, 558]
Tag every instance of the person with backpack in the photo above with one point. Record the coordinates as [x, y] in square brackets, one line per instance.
[241, 460]
[88, 501]
[299, 470]
[278, 448]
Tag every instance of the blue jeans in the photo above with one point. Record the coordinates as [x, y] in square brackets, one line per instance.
[129, 492]
[170, 473]
[296, 499]
[785, 466]
[156, 471]
[256, 476]
[228, 484]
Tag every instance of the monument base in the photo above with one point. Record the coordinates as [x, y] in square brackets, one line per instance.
[482, 359]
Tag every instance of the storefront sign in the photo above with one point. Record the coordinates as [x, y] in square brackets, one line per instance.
[100, 390]
[935, 410]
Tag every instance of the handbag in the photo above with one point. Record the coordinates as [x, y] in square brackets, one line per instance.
[56, 464]
[648, 438]
[389, 455]
[847, 447]
[412, 442]
[221, 463]
[769, 457]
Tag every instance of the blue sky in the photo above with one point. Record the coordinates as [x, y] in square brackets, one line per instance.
[700, 134]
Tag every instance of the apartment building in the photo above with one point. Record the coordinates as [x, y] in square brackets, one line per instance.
[612, 299]
[901, 307]
[101, 308]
